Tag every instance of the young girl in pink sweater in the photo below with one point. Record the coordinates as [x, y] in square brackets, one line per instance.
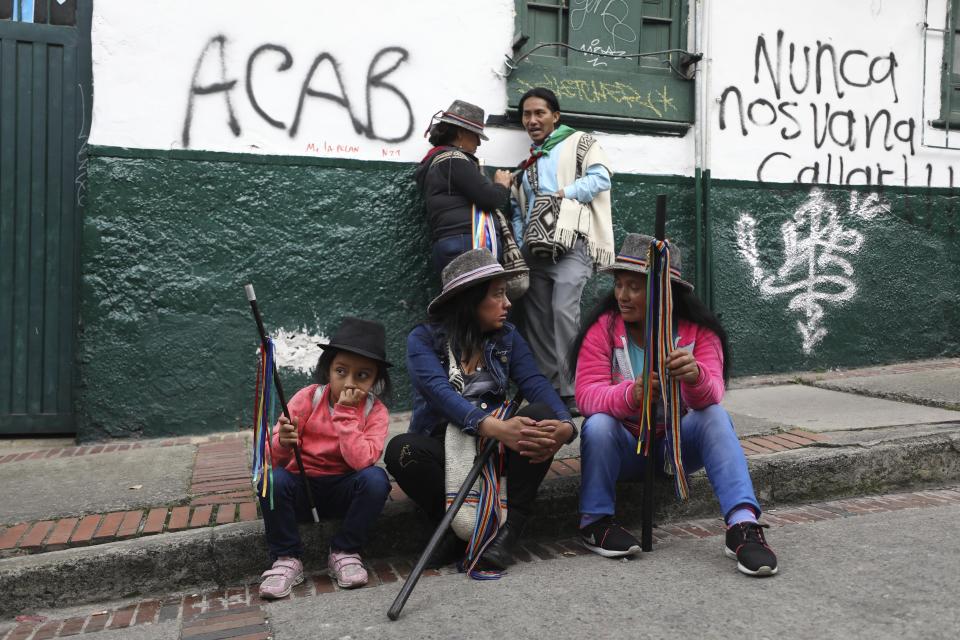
[608, 355]
[340, 425]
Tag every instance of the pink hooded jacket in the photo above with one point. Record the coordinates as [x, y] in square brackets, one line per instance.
[605, 378]
[335, 442]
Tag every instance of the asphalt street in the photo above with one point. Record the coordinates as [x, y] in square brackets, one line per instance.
[894, 575]
[876, 576]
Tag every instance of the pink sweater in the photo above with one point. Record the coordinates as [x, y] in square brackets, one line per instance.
[335, 444]
[602, 387]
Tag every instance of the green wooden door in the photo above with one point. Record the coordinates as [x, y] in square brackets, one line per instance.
[44, 106]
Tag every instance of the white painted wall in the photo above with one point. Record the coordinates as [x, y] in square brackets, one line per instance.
[862, 33]
[144, 60]
[145, 55]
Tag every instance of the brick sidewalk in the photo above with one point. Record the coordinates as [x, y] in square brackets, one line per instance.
[238, 612]
[222, 494]
[220, 490]
[84, 450]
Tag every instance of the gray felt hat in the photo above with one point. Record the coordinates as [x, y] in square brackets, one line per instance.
[467, 270]
[464, 115]
[633, 257]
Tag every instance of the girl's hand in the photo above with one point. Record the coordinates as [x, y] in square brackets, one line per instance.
[503, 178]
[683, 366]
[289, 432]
[542, 440]
[351, 397]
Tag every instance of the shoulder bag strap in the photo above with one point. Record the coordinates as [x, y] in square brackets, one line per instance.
[583, 145]
[532, 178]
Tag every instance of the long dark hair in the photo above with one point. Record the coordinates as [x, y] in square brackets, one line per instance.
[686, 305]
[458, 317]
[382, 387]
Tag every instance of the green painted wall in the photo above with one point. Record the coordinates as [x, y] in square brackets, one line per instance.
[166, 341]
[907, 274]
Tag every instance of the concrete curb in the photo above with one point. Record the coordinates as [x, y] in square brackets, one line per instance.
[231, 554]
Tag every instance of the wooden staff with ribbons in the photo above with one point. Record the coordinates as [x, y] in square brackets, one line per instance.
[653, 365]
[461, 496]
[265, 345]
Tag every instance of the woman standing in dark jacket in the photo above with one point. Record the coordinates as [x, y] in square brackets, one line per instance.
[450, 179]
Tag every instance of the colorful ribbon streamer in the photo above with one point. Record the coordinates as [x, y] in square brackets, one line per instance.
[489, 508]
[659, 343]
[263, 420]
[484, 231]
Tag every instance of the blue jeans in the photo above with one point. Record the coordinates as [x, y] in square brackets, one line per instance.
[608, 452]
[356, 497]
[449, 247]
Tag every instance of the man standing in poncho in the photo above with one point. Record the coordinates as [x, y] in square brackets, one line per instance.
[562, 218]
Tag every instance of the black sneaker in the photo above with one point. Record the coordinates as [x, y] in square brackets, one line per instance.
[745, 543]
[609, 539]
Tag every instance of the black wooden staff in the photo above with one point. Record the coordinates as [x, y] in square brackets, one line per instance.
[660, 224]
[252, 299]
[461, 496]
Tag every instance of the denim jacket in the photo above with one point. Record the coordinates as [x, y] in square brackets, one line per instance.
[435, 401]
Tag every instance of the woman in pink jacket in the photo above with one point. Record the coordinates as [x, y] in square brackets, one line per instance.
[608, 357]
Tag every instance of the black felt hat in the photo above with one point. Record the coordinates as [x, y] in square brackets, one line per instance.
[362, 337]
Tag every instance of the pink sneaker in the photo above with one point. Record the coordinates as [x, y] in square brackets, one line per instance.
[348, 569]
[280, 579]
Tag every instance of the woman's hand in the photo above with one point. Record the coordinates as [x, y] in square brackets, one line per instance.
[683, 366]
[638, 390]
[503, 178]
[288, 432]
[506, 431]
[541, 440]
[351, 397]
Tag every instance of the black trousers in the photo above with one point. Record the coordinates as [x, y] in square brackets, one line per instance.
[415, 460]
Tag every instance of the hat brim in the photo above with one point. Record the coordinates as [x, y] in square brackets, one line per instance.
[444, 297]
[636, 268]
[460, 124]
[359, 352]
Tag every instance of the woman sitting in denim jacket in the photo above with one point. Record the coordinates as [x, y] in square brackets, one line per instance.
[468, 320]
